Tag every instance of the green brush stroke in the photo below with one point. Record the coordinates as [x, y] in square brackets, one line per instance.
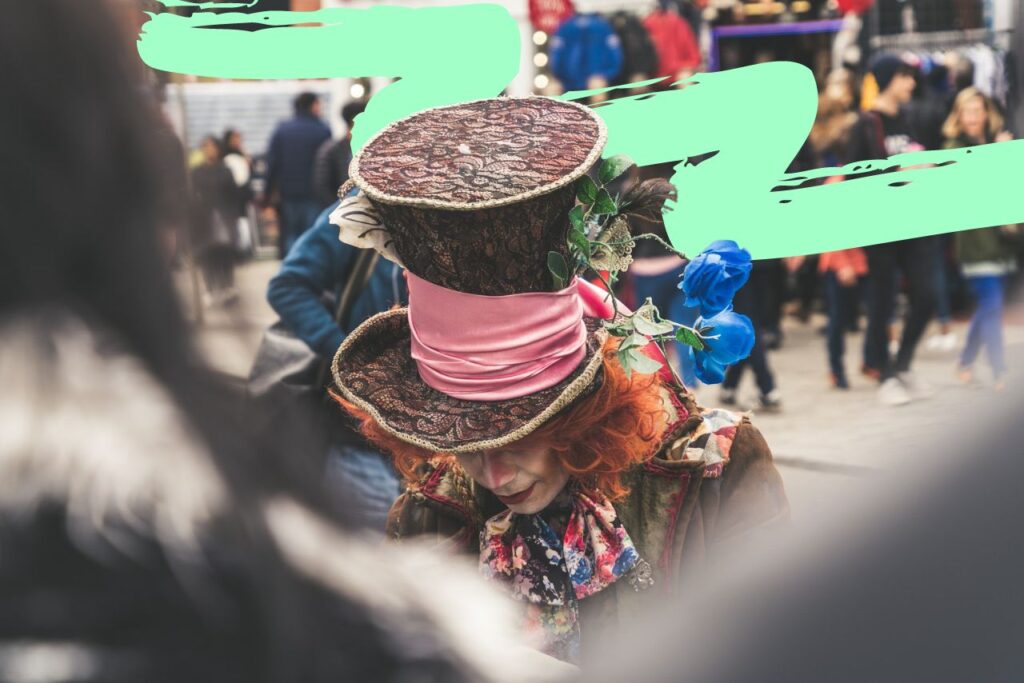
[754, 118]
[442, 55]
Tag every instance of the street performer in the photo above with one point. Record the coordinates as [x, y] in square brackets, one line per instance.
[520, 402]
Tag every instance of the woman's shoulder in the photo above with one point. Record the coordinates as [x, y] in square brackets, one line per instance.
[697, 438]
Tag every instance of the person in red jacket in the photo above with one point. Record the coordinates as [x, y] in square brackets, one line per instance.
[678, 51]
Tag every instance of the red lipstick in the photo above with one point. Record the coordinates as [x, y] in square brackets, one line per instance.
[518, 497]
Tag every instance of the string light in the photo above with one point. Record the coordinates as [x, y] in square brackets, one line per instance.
[540, 59]
[357, 91]
[540, 82]
[539, 37]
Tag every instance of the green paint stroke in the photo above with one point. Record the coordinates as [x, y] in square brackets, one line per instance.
[443, 55]
[755, 120]
[733, 132]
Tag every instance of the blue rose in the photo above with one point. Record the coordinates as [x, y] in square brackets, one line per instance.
[728, 338]
[712, 279]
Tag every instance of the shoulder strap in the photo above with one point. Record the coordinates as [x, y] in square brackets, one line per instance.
[359, 276]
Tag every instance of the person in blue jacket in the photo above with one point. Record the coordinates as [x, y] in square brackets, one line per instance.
[584, 47]
[290, 161]
[319, 265]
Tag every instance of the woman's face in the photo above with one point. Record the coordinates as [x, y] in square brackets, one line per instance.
[526, 479]
[210, 151]
[973, 118]
[235, 141]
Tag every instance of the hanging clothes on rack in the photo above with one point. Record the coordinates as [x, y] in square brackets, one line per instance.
[585, 47]
[639, 58]
[674, 41]
[547, 15]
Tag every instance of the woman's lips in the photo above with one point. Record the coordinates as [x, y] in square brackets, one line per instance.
[518, 497]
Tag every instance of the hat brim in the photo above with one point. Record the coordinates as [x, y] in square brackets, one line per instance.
[374, 370]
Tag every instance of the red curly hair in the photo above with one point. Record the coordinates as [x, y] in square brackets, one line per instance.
[597, 438]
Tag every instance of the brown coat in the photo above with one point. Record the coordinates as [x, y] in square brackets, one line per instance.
[680, 510]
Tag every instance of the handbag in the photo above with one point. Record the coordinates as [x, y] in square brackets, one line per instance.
[288, 380]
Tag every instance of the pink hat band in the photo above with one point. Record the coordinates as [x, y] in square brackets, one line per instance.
[495, 348]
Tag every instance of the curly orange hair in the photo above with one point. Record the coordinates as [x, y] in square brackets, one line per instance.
[597, 438]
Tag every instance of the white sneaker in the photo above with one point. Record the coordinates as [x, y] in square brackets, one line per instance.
[893, 393]
[916, 387]
[948, 343]
[941, 343]
[894, 347]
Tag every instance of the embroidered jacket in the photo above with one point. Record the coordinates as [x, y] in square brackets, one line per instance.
[710, 484]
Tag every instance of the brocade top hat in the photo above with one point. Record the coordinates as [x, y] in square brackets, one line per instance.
[470, 199]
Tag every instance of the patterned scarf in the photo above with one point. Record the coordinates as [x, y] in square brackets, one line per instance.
[550, 574]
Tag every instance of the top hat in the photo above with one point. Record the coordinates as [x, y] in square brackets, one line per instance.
[471, 199]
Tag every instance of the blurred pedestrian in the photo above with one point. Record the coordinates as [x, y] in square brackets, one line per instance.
[330, 169]
[145, 535]
[215, 213]
[293, 149]
[842, 272]
[240, 165]
[747, 302]
[879, 133]
[986, 255]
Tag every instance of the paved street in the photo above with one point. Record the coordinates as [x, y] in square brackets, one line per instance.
[823, 441]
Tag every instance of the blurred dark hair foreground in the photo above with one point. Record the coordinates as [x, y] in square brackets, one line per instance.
[145, 535]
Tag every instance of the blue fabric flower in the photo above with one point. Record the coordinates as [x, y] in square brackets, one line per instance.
[728, 339]
[712, 278]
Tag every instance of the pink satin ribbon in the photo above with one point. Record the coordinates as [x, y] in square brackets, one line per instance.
[494, 348]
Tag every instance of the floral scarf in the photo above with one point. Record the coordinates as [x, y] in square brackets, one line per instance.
[551, 574]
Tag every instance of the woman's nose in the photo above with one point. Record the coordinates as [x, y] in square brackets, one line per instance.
[496, 471]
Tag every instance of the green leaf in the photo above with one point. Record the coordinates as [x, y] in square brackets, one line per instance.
[578, 238]
[576, 218]
[586, 190]
[687, 336]
[634, 341]
[613, 167]
[559, 269]
[625, 360]
[618, 330]
[642, 363]
[645, 326]
[604, 204]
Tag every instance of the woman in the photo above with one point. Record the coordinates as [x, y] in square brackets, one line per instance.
[986, 256]
[144, 534]
[240, 165]
[215, 213]
[535, 433]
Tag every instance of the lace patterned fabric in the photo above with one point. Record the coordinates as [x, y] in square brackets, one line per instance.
[503, 250]
[376, 370]
[494, 150]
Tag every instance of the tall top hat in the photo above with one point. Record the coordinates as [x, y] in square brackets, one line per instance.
[471, 199]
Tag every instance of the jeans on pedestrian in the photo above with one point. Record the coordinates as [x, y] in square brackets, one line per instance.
[840, 303]
[366, 482]
[915, 258]
[297, 216]
[986, 329]
[663, 290]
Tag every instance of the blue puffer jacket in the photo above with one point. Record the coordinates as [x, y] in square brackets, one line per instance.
[318, 265]
[585, 45]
